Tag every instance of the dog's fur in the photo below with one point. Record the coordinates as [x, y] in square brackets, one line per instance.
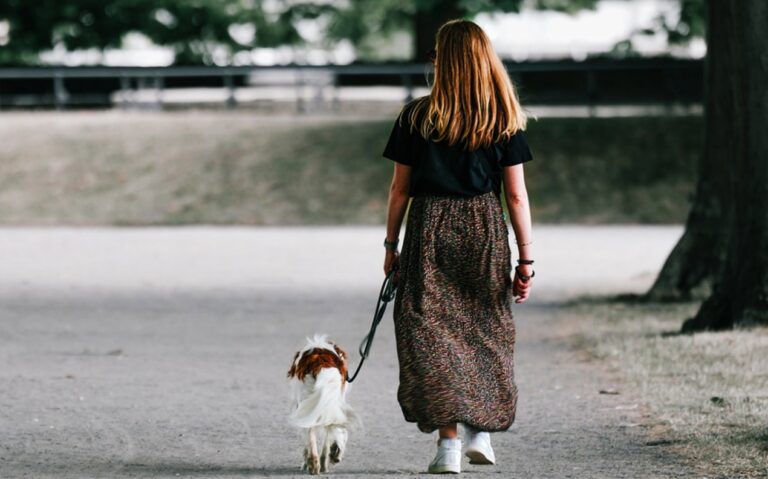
[319, 386]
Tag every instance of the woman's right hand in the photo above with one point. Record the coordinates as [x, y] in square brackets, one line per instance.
[522, 289]
[391, 260]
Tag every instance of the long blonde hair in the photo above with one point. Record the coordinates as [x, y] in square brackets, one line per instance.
[473, 101]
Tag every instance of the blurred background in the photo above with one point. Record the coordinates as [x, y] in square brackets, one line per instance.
[256, 112]
[131, 346]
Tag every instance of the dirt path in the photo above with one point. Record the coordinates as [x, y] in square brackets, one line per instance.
[162, 353]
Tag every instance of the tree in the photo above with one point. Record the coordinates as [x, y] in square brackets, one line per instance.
[737, 112]
[723, 253]
[698, 256]
[697, 259]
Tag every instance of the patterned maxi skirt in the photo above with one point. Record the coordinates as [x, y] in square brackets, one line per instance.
[452, 312]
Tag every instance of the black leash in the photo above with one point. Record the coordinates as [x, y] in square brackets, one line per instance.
[386, 294]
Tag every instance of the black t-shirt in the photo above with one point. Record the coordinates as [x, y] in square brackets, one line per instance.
[442, 170]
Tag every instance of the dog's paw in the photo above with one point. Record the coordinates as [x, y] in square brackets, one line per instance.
[313, 464]
[335, 453]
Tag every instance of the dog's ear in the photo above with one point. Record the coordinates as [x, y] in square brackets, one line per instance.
[292, 371]
[343, 366]
[342, 354]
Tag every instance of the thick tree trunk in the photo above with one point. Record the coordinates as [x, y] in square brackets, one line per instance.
[740, 296]
[427, 22]
[699, 255]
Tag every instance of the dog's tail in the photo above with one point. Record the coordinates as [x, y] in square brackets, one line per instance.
[324, 403]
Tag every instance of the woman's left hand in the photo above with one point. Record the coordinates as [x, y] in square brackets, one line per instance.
[522, 289]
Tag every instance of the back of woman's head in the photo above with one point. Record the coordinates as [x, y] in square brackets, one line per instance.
[473, 101]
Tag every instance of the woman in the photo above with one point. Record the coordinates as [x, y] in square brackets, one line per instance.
[453, 321]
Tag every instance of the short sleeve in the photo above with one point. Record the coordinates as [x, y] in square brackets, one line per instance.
[516, 150]
[399, 147]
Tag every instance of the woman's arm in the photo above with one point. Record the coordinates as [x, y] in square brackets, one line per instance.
[396, 206]
[516, 197]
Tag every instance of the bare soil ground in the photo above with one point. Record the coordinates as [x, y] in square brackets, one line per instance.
[707, 392]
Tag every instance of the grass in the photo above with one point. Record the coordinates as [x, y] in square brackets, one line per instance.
[191, 167]
[709, 389]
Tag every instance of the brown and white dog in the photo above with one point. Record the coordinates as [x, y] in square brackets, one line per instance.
[319, 387]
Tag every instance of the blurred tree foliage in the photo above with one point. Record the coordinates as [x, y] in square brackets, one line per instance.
[193, 28]
[367, 22]
[691, 23]
[205, 31]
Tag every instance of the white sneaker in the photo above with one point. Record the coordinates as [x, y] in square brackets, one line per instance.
[479, 450]
[448, 457]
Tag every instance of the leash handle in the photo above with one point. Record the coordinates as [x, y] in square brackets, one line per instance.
[386, 294]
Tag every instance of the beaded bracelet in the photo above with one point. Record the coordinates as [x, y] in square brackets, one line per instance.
[391, 245]
[524, 277]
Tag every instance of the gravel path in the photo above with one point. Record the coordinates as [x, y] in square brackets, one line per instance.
[163, 352]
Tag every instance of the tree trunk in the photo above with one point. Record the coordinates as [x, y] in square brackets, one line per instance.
[428, 21]
[740, 296]
[699, 255]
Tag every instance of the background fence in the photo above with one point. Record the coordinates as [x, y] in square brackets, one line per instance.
[591, 82]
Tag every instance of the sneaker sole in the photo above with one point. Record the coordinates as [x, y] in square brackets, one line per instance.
[477, 457]
[444, 469]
